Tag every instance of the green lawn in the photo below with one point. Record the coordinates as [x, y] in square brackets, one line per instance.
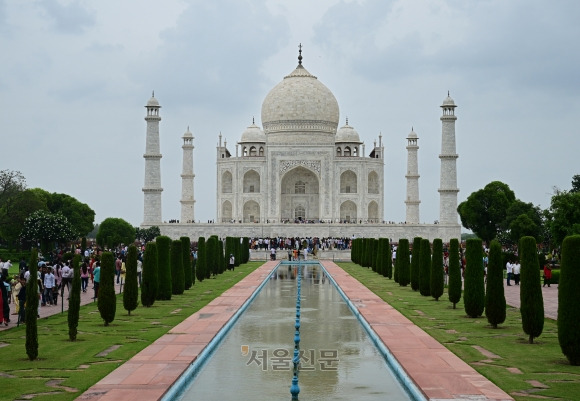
[65, 369]
[541, 362]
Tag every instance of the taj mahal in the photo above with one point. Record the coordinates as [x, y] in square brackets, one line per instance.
[301, 175]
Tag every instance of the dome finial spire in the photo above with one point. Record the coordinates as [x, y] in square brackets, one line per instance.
[300, 54]
[253, 120]
[153, 94]
[346, 120]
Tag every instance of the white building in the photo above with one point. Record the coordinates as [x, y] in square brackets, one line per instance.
[301, 168]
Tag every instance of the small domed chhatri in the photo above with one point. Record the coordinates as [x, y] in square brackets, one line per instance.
[347, 133]
[253, 134]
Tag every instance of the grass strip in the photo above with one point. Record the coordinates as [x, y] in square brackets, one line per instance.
[65, 369]
[503, 355]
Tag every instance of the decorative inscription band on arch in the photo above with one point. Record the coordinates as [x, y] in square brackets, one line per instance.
[287, 165]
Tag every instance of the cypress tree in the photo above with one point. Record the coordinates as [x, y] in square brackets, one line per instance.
[246, 250]
[568, 298]
[31, 313]
[396, 267]
[403, 266]
[222, 256]
[373, 255]
[531, 299]
[239, 253]
[74, 303]
[131, 289]
[454, 288]
[425, 268]
[164, 289]
[107, 300]
[177, 274]
[474, 293]
[149, 281]
[415, 267]
[380, 259]
[201, 260]
[186, 262]
[354, 249]
[211, 253]
[495, 305]
[437, 272]
[83, 244]
[388, 269]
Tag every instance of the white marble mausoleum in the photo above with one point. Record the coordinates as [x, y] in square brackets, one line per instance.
[301, 175]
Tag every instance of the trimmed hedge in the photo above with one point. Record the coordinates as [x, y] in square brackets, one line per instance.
[531, 299]
[131, 289]
[404, 268]
[106, 299]
[74, 303]
[568, 298]
[415, 267]
[454, 286]
[437, 273]
[149, 281]
[495, 304]
[164, 289]
[177, 273]
[474, 287]
[186, 262]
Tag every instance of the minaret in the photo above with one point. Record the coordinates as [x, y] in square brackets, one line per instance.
[152, 189]
[448, 189]
[412, 176]
[187, 176]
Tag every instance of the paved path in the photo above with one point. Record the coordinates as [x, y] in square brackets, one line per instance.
[550, 294]
[46, 311]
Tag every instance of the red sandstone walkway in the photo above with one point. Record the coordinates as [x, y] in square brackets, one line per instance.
[550, 294]
[437, 371]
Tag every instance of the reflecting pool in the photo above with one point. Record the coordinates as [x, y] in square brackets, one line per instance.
[338, 359]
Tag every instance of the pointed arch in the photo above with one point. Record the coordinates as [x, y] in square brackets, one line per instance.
[226, 182]
[348, 182]
[251, 181]
[373, 183]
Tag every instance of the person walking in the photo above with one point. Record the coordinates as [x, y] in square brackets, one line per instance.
[97, 278]
[66, 273]
[516, 269]
[84, 276]
[118, 267]
[232, 262]
[510, 268]
[49, 282]
[547, 274]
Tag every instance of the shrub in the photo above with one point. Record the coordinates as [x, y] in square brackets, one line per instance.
[373, 254]
[403, 266]
[495, 304]
[388, 267]
[74, 303]
[131, 289]
[31, 314]
[107, 300]
[238, 254]
[245, 250]
[474, 293]
[201, 260]
[425, 268]
[531, 299]
[381, 256]
[186, 262]
[416, 255]
[212, 256]
[454, 287]
[568, 298]
[164, 290]
[149, 280]
[437, 272]
[177, 274]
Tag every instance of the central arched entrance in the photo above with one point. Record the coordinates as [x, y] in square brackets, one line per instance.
[299, 199]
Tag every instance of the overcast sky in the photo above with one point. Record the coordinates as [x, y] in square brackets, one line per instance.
[75, 75]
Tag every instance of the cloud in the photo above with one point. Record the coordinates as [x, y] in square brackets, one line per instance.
[213, 56]
[71, 18]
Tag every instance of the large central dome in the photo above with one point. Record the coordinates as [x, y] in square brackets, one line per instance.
[300, 103]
